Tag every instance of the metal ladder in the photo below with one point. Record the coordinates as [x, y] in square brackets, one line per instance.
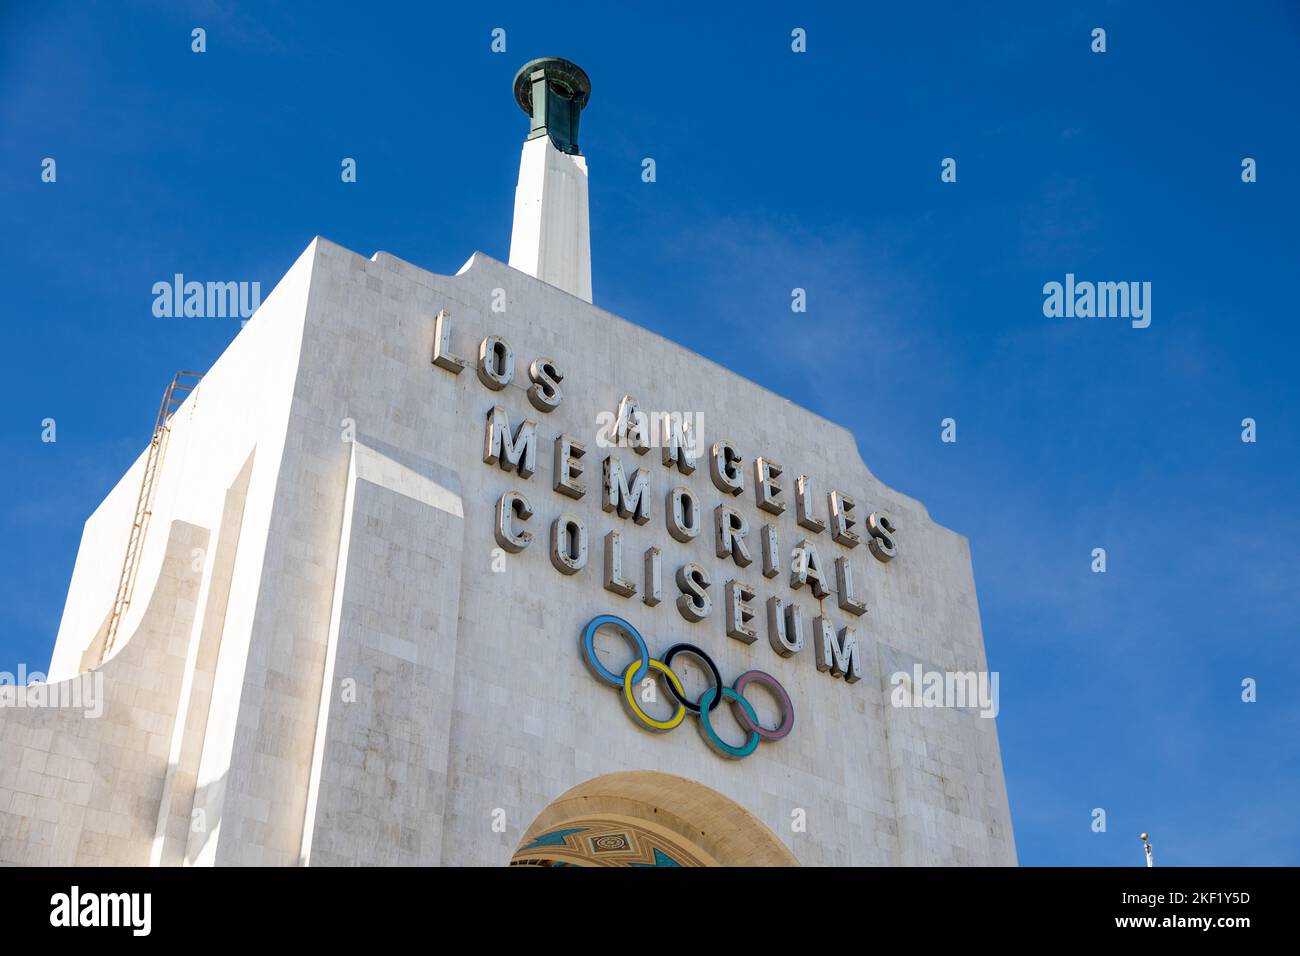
[177, 391]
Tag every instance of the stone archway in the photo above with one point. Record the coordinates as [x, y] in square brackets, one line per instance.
[647, 818]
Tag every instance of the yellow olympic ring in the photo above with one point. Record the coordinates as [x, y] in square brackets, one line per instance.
[629, 699]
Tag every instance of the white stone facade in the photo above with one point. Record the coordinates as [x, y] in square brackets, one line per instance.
[322, 666]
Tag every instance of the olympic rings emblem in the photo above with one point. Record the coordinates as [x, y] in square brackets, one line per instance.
[709, 701]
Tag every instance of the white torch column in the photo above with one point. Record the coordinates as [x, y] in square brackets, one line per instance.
[551, 238]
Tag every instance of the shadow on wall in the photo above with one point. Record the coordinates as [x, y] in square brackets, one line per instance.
[82, 773]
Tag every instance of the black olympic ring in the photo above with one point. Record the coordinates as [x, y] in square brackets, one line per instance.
[704, 658]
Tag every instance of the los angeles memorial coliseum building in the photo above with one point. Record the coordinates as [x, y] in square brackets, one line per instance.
[462, 569]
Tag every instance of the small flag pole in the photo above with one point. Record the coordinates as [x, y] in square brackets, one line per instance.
[1146, 846]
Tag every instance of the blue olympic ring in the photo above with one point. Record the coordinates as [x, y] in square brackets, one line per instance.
[604, 674]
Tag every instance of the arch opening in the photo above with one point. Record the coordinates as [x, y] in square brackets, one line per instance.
[644, 818]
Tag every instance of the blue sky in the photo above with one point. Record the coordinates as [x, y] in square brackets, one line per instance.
[774, 170]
